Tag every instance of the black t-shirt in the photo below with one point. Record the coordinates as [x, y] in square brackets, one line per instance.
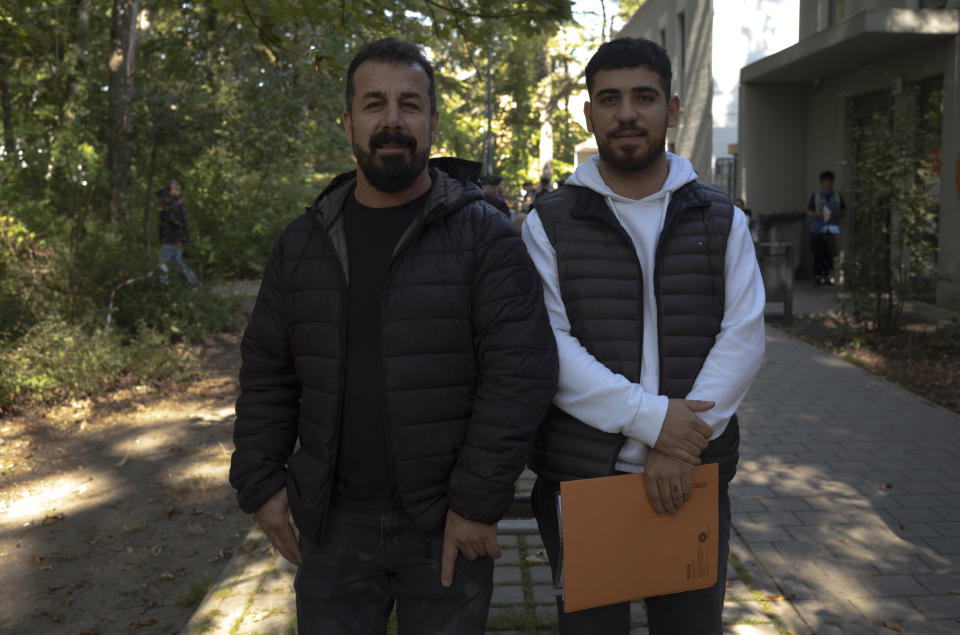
[363, 473]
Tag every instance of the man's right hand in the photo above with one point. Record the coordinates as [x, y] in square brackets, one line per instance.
[274, 518]
[684, 435]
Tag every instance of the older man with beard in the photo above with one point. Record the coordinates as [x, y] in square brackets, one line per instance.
[656, 303]
[400, 338]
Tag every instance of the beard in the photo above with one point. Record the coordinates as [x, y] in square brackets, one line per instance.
[394, 172]
[637, 159]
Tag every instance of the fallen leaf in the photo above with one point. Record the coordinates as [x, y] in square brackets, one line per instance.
[67, 602]
[780, 598]
[885, 487]
[56, 617]
[46, 567]
[123, 461]
[903, 526]
[142, 623]
[52, 519]
[37, 559]
[955, 592]
[54, 587]
[170, 512]
[843, 539]
[155, 550]
[893, 626]
[198, 512]
[166, 575]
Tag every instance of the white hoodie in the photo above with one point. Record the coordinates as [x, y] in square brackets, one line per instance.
[593, 393]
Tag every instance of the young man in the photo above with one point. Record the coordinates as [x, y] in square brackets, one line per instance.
[656, 302]
[174, 233]
[824, 209]
[400, 337]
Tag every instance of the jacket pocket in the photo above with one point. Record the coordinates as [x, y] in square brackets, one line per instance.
[308, 485]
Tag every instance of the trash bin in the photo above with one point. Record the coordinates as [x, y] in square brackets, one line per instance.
[786, 226]
[777, 269]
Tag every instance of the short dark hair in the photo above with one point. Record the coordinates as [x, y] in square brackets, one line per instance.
[629, 52]
[826, 174]
[487, 180]
[394, 51]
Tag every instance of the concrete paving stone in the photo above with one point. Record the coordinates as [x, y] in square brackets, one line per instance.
[278, 624]
[791, 449]
[507, 594]
[828, 503]
[507, 541]
[939, 562]
[753, 629]
[540, 574]
[232, 609]
[816, 612]
[787, 504]
[273, 603]
[922, 487]
[863, 627]
[914, 514]
[543, 594]
[929, 475]
[748, 611]
[889, 608]
[840, 584]
[508, 575]
[890, 564]
[767, 553]
[852, 466]
[280, 579]
[508, 556]
[939, 583]
[838, 488]
[893, 585]
[800, 549]
[533, 541]
[931, 627]
[640, 630]
[638, 613]
[791, 619]
[951, 514]
[745, 505]
[750, 491]
[949, 529]
[949, 546]
[737, 590]
[907, 499]
[830, 629]
[938, 607]
[240, 585]
[912, 531]
[761, 532]
[774, 518]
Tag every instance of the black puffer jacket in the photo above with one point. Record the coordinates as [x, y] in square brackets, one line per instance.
[469, 361]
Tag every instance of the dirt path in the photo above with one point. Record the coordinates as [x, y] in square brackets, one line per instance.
[116, 516]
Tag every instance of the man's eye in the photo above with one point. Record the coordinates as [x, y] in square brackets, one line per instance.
[608, 100]
[410, 107]
[374, 105]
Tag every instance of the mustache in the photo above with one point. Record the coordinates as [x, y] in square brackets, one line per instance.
[629, 127]
[392, 137]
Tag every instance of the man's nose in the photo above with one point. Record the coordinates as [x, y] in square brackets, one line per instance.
[392, 117]
[627, 110]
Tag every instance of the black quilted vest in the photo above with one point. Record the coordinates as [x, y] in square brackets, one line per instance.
[602, 290]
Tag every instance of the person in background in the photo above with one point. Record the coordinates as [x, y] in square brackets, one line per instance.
[825, 209]
[174, 233]
[492, 194]
[751, 221]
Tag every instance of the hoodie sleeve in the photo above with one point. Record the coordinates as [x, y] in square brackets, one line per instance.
[737, 353]
[586, 389]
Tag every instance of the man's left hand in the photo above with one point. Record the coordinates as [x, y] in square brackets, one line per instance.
[472, 539]
[669, 482]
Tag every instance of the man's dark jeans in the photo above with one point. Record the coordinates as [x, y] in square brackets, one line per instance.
[371, 560]
[693, 612]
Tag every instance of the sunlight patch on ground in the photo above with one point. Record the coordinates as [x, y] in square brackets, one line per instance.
[60, 495]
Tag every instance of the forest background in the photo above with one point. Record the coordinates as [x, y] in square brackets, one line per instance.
[104, 101]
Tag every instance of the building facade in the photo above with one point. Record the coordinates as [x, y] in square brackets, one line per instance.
[799, 109]
[708, 42]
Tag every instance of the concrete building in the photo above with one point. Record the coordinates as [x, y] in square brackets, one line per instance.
[708, 42]
[798, 108]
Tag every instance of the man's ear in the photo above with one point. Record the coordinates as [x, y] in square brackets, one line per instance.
[586, 114]
[347, 127]
[673, 112]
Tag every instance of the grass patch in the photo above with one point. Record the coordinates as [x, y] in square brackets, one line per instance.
[194, 594]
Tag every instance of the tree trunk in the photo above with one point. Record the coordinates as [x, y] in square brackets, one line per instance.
[9, 139]
[123, 40]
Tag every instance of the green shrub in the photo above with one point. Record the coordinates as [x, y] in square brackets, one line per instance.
[55, 361]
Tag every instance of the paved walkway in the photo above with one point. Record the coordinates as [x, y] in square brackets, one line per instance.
[846, 517]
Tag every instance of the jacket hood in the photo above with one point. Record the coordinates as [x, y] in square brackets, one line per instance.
[587, 175]
[454, 185]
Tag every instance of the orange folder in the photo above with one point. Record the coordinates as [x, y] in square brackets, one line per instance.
[617, 549]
